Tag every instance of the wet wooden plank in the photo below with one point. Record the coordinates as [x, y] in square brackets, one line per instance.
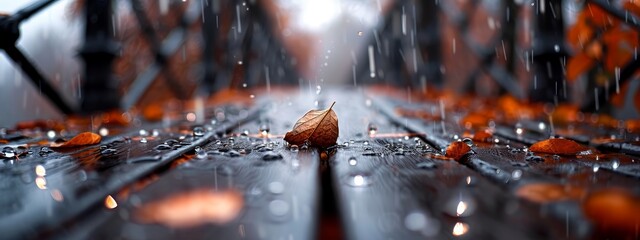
[278, 186]
[45, 189]
[508, 162]
[392, 185]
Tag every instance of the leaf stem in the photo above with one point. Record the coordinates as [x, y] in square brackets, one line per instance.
[334, 103]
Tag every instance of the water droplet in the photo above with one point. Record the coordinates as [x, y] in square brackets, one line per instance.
[276, 187]
[516, 175]
[51, 134]
[294, 148]
[615, 163]
[264, 130]
[358, 180]
[366, 142]
[556, 48]
[163, 147]
[45, 151]
[143, 140]
[234, 153]
[8, 152]
[41, 183]
[40, 171]
[426, 165]
[360, 33]
[201, 154]
[271, 156]
[345, 144]
[534, 158]
[110, 202]
[352, 161]
[108, 151]
[596, 167]
[198, 131]
[103, 131]
[415, 221]
[143, 133]
[278, 208]
[468, 141]
[372, 130]
[542, 126]
[460, 229]
[418, 221]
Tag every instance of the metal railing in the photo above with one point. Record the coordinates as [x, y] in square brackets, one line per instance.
[250, 39]
[547, 53]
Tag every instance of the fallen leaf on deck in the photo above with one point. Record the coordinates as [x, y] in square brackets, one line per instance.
[82, 139]
[475, 120]
[558, 146]
[153, 112]
[456, 150]
[549, 192]
[482, 136]
[613, 211]
[192, 209]
[319, 127]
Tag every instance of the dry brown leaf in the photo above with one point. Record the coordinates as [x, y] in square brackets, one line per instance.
[558, 146]
[192, 208]
[613, 211]
[549, 192]
[457, 149]
[319, 127]
[82, 139]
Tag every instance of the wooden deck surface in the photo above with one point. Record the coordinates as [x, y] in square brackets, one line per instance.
[386, 179]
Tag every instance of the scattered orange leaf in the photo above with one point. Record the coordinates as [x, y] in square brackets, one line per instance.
[565, 114]
[192, 209]
[153, 112]
[614, 211]
[475, 120]
[549, 192]
[82, 139]
[579, 64]
[457, 150]
[482, 136]
[558, 146]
